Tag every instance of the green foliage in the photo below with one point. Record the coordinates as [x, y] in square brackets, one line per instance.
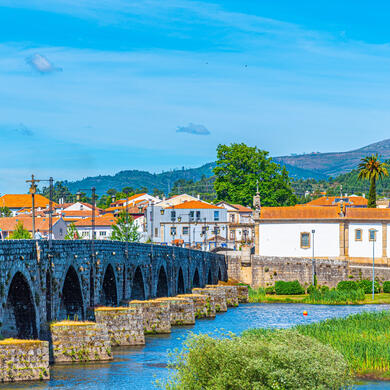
[363, 340]
[366, 286]
[5, 212]
[372, 169]
[256, 295]
[347, 285]
[263, 359]
[386, 287]
[204, 187]
[288, 288]
[125, 228]
[72, 233]
[20, 233]
[270, 290]
[59, 191]
[239, 168]
[335, 297]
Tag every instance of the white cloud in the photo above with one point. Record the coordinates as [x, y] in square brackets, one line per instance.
[41, 64]
[192, 128]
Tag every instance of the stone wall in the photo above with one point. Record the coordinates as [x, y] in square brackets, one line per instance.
[80, 342]
[124, 324]
[204, 306]
[24, 360]
[181, 310]
[265, 271]
[218, 295]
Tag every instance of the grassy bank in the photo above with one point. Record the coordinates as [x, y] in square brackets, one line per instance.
[329, 298]
[363, 340]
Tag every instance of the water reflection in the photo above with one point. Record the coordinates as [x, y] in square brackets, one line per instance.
[137, 368]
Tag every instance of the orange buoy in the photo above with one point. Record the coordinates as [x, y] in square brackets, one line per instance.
[305, 313]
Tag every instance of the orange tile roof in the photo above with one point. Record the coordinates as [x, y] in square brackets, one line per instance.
[16, 201]
[8, 224]
[242, 208]
[104, 220]
[79, 213]
[367, 213]
[195, 204]
[300, 212]
[330, 201]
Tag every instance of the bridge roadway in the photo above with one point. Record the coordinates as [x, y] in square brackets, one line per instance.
[39, 285]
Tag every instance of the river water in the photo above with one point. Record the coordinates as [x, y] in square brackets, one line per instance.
[138, 368]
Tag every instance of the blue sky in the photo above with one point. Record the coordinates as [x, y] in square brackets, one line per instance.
[95, 87]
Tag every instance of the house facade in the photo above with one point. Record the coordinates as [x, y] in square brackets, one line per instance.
[327, 232]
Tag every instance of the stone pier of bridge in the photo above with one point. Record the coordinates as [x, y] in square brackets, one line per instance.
[40, 284]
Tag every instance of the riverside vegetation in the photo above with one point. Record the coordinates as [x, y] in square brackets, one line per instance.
[324, 355]
[346, 292]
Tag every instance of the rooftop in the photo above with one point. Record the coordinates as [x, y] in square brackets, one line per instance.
[195, 204]
[16, 201]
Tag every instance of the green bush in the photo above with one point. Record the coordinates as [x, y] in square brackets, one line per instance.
[288, 288]
[259, 360]
[270, 290]
[347, 285]
[386, 287]
[311, 289]
[366, 285]
[256, 295]
[324, 289]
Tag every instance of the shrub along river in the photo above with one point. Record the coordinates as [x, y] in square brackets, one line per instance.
[138, 368]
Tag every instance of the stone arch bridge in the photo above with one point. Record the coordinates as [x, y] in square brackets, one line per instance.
[39, 285]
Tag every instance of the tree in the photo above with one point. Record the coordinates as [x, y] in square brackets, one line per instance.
[125, 229]
[60, 191]
[20, 233]
[239, 168]
[372, 169]
[72, 233]
[5, 212]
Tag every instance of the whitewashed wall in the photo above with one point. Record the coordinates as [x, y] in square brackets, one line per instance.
[364, 248]
[284, 239]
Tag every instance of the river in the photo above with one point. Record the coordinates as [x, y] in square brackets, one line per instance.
[138, 368]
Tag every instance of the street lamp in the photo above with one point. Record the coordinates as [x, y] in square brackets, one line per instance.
[312, 260]
[373, 239]
[78, 198]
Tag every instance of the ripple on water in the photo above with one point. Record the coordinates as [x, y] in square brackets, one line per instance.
[137, 368]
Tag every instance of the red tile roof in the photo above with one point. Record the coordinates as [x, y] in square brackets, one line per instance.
[242, 208]
[9, 223]
[16, 201]
[331, 201]
[103, 220]
[195, 204]
[300, 212]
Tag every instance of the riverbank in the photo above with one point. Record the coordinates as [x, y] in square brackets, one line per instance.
[258, 296]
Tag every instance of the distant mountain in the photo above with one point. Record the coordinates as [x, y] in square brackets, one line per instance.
[137, 179]
[332, 164]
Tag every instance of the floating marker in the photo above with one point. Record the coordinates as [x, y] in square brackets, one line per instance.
[305, 313]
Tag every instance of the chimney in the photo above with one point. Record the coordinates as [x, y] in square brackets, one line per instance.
[198, 197]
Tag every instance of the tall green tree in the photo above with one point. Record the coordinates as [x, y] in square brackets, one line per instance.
[20, 233]
[240, 167]
[72, 233]
[372, 169]
[5, 212]
[60, 191]
[125, 228]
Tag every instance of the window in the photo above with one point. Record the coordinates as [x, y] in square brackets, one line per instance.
[198, 215]
[232, 217]
[102, 233]
[305, 240]
[216, 215]
[358, 234]
[173, 215]
[232, 234]
[61, 231]
[192, 215]
[85, 234]
[156, 232]
[173, 231]
[185, 230]
[372, 235]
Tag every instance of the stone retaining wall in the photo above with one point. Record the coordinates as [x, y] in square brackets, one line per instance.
[181, 310]
[204, 306]
[124, 324]
[156, 315]
[24, 360]
[243, 294]
[219, 296]
[80, 341]
[231, 294]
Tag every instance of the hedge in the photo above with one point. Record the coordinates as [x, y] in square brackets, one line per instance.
[288, 288]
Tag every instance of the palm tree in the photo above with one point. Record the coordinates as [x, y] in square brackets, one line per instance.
[371, 168]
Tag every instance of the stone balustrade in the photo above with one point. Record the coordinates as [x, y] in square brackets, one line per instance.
[124, 324]
[24, 360]
[75, 341]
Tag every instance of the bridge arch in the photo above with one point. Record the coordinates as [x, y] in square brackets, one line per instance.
[219, 273]
[180, 286]
[138, 286]
[196, 279]
[20, 318]
[209, 277]
[109, 287]
[72, 301]
[162, 283]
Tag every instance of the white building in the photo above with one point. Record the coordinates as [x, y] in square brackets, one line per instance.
[192, 224]
[329, 232]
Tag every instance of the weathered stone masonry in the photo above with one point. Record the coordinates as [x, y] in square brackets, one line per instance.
[38, 286]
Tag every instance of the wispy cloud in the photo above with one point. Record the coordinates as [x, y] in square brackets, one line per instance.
[41, 64]
[192, 128]
[23, 130]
